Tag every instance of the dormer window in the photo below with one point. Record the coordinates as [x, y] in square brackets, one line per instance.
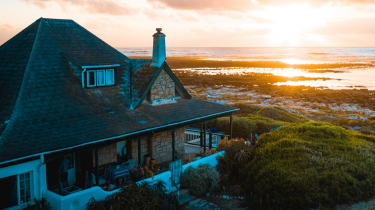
[100, 77]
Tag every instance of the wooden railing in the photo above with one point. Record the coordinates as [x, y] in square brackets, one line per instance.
[195, 137]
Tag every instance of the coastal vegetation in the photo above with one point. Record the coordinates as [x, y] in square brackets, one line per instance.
[201, 180]
[302, 166]
[133, 196]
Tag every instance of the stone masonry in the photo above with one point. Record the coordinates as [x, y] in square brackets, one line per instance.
[106, 155]
[163, 87]
[159, 146]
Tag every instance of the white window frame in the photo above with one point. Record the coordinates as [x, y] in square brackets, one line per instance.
[19, 188]
[113, 76]
[104, 75]
[88, 78]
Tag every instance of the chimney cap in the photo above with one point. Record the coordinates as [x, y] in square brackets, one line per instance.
[158, 30]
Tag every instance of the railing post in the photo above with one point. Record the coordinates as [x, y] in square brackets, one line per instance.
[210, 140]
[204, 141]
[201, 138]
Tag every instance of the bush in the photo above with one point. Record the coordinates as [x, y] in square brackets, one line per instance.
[246, 109]
[244, 126]
[302, 166]
[41, 204]
[201, 180]
[279, 114]
[144, 196]
[236, 155]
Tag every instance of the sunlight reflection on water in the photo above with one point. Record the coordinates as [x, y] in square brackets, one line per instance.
[341, 78]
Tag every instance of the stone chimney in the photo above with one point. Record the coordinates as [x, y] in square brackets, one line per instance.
[158, 53]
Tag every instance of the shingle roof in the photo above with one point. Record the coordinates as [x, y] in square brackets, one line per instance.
[43, 106]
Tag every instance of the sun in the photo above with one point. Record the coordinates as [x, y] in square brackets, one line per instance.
[292, 22]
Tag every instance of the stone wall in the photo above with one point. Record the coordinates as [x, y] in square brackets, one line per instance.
[159, 146]
[162, 145]
[163, 87]
[106, 155]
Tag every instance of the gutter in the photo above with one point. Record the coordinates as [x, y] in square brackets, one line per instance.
[106, 139]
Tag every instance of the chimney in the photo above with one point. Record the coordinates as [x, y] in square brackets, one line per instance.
[158, 53]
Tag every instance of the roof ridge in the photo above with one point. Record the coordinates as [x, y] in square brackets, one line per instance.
[126, 57]
[16, 104]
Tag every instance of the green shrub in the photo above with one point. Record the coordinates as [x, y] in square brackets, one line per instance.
[246, 109]
[244, 126]
[279, 114]
[303, 166]
[143, 196]
[236, 155]
[200, 180]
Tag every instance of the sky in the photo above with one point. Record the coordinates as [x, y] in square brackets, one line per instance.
[206, 23]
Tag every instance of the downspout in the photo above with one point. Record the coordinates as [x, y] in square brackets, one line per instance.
[41, 176]
[83, 78]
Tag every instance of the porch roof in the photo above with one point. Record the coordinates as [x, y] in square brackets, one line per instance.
[59, 131]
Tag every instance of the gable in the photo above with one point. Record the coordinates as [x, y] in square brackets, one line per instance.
[163, 88]
[152, 73]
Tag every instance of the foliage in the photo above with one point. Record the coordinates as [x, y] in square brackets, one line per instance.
[200, 180]
[41, 204]
[367, 126]
[246, 109]
[236, 155]
[147, 172]
[144, 196]
[136, 174]
[279, 114]
[243, 127]
[308, 165]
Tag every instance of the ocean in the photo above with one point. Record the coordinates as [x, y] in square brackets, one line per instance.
[357, 77]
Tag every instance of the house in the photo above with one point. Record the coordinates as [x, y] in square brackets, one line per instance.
[65, 92]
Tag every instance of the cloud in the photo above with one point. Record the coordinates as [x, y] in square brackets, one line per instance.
[244, 5]
[110, 7]
[216, 5]
[7, 31]
[352, 26]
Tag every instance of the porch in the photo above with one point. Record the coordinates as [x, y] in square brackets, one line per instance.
[79, 199]
[87, 166]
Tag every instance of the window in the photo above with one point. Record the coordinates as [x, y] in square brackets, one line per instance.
[91, 78]
[24, 180]
[8, 192]
[15, 190]
[100, 77]
[110, 77]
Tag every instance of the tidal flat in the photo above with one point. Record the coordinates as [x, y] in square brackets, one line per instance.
[230, 82]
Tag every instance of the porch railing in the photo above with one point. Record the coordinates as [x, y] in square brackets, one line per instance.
[193, 136]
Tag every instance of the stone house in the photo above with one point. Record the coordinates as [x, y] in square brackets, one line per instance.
[65, 92]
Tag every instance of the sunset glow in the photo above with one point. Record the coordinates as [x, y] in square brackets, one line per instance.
[208, 23]
[292, 22]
